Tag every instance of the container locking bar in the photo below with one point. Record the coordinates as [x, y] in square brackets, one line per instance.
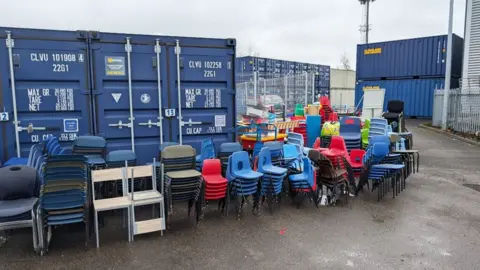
[30, 128]
[150, 124]
[190, 123]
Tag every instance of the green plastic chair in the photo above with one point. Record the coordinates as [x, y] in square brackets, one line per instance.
[299, 110]
[366, 124]
[365, 132]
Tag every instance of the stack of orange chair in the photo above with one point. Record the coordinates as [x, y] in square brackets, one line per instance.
[326, 110]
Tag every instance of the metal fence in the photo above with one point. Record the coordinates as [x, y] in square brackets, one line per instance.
[291, 89]
[463, 110]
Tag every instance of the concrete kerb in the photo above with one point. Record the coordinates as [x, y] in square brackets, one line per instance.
[453, 136]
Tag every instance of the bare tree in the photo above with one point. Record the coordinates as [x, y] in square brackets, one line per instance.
[345, 62]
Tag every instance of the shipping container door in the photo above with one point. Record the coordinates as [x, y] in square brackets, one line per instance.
[127, 84]
[206, 92]
[51, 97]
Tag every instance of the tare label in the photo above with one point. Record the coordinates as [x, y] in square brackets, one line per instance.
[58, 99]
[203, 98]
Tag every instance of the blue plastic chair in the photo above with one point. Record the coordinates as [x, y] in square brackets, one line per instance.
[379, 172]
[273, 176]
[207, 151]
[243, 181]
[350, 130]
[292, 157]
[225, 151]
[92, 147]
[276, 151]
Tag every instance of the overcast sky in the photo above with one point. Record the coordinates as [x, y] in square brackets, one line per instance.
[314, 31]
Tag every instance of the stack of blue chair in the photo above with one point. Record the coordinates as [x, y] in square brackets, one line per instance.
[378, 127]
[382, 173]
[304, 182]
[296, 139]
[389, 158]
[53, 147]
[243, 181]
[276, 149]
[292, 157]
[63, 194]
[117, 158]
[182, 181]
[273, 176]
[207, 151]
[92, 147]
[350, 130]
[226, 150]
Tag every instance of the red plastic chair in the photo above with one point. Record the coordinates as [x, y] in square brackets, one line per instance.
[333, 117]
[215, 183]
[316, 145]
[356, 157]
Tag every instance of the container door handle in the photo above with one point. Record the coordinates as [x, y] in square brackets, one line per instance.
[120, 124]
[150, 124]
[30, 128]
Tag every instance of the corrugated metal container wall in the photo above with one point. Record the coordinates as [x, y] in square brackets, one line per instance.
[471, 60]
[342, 87]
[75, 83]
[417, 94]
[411, 58]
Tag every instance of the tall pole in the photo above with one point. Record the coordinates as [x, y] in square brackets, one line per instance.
[367, 26]
[448, 72]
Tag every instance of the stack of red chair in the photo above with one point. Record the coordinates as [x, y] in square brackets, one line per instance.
[356, 161]
[326, 110]
[338, 149]
[317, 144]
[215, 183]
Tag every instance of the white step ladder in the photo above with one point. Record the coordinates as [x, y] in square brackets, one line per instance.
[146, 197]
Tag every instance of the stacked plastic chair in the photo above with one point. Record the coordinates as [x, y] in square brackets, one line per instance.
[225, 151]
[326, 110]
[92, 147]
[18, 198]
[338, 155]
[182, 181]
[304, 183]
[396, 118]
[216, 185]
[273, 177]
[378, 127]
[364, 133]
[276, 151]
[299, 110]
[207, 151]
[243, 181]
[117, 158]
[296, 139]
[331, 180]
[317, 145]
[292, 157]
[350, 131]
[356, 161]
[63, 195]
[302, 129]
[382, 174]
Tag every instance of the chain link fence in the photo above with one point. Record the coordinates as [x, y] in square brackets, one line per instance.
[289, 90]
[463, 108]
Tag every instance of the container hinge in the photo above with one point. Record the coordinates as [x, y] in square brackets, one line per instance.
[178, 50]
[158, 49]
[128, 47]
[150, 124]
[120, 125]
[30, 128]
[10, 43]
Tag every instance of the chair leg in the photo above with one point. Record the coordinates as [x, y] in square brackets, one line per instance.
[96, 228]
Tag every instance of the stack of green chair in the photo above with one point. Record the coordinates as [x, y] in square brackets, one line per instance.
[365, 130]
[299, 110]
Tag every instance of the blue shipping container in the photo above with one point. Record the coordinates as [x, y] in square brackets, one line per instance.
[411, 58]
[417, 94]
[73, 83]
[267, 67]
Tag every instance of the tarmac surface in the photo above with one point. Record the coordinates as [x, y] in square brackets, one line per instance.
[433, 224]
